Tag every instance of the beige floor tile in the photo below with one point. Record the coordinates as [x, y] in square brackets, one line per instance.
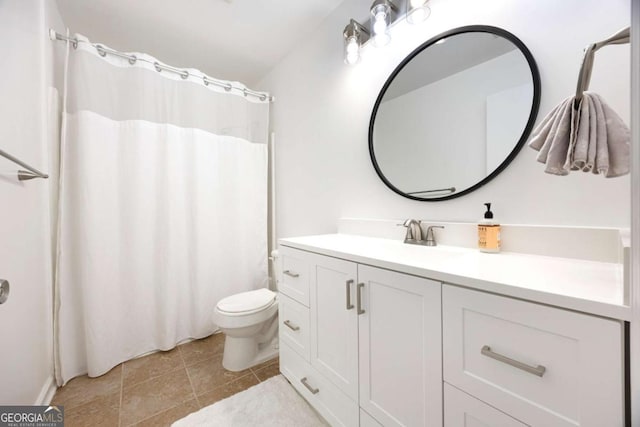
[151, 366]
[267, 372]
[100, 412]
[166, 418]
[199, 350]
[83, 389]
[227, 390]
[156, 395]
[209, 374]
[275, 360]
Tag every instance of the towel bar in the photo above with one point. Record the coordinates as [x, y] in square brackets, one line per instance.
[621, 37]
[30, 172]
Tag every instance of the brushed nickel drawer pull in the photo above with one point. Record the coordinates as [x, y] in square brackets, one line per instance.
[535, 370]
[290, 273]
[306, 384]
[348, 286]
[291, 326]
[359, 298]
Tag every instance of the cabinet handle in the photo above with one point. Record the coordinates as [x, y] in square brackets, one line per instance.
[290, 273]
[535, 370]
[306, 384]
[348, 286]
[291, 326]
[359, 298]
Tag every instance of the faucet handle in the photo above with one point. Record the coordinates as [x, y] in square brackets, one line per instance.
[430, 239]
[409, 235]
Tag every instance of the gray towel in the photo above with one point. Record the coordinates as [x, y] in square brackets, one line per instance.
[590, 138]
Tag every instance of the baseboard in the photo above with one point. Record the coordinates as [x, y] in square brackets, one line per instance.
[46, 393]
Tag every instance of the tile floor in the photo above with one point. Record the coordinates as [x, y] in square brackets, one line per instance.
[158, 389]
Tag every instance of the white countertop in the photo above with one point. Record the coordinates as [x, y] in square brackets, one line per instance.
[586, 286]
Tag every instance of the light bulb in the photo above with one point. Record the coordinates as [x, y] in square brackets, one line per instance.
[418, 15]
[352, 46]
[351, 50]
[417, 11]
[380, 23]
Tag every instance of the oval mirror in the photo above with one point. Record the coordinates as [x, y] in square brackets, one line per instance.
[454, 113]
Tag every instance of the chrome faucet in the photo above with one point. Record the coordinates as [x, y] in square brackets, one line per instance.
[414, 232]
[431, 238]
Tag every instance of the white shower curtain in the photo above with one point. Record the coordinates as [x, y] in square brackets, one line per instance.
[163, 209]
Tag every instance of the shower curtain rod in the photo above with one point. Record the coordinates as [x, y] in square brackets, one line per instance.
[184, 74]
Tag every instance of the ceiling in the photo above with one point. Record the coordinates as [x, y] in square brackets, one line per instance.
[226, 39]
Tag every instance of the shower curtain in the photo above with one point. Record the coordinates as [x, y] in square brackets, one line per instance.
[162, 208]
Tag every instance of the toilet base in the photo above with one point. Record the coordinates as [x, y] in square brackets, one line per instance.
[242, 353]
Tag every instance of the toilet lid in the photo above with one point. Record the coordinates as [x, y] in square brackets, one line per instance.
[247, 301]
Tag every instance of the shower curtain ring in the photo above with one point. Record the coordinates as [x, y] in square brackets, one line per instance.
[157, 67]
[184, 75]
[74, 43]
[101, 50]
[133, 59]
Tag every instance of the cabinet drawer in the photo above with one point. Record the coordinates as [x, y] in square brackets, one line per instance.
[293, 280]
[542, 365]
[294, 325]
[336, 407]
[462, 410]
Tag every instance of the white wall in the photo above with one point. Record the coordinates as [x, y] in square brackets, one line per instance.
[25, 319]
[322, 109]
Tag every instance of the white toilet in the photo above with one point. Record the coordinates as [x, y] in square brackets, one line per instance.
[250, 322]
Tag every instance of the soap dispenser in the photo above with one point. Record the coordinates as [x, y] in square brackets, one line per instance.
[488, 232]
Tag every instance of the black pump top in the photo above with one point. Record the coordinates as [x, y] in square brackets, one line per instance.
[488, 214]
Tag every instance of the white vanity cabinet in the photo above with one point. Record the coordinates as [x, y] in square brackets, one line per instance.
[374, 340]
[370, 341]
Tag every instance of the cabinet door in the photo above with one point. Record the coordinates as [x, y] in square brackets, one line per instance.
[400, 348]
[334, 322]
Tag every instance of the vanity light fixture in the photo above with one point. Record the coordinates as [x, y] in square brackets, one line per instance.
[417, 11]
[381, 11]
[355, 34]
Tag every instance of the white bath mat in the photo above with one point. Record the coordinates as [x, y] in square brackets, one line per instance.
[270, 403]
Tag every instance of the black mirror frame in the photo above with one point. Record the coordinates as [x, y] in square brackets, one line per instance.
[535, 75]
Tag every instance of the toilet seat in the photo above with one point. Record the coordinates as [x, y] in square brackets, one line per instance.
[246, 303]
